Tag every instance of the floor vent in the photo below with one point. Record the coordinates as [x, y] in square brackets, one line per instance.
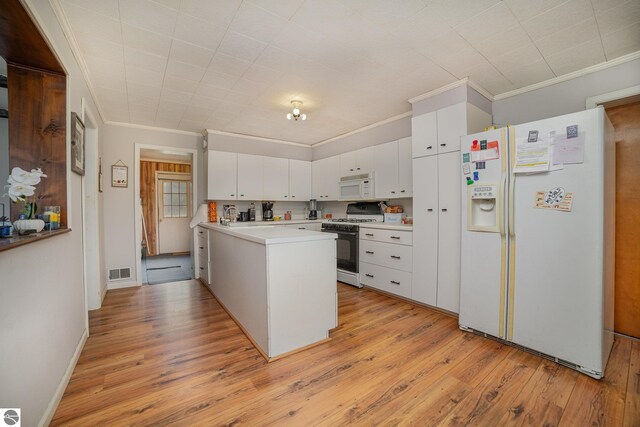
[119, 274]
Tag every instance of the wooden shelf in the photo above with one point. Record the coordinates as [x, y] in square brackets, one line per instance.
[15, 241]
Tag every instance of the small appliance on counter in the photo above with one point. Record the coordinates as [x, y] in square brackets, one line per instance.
[252, 212]
[314, 213]
[267, 211]
[244, 216]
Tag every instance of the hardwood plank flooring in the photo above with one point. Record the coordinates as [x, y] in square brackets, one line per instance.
[169, 355]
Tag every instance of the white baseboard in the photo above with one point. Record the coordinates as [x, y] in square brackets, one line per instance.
[57, 396]
[123, 284]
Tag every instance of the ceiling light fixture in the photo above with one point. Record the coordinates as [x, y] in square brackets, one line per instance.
[295, 113]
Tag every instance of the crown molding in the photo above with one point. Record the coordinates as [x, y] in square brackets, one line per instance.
[570, 76]
[75, 50]
[154, 128]
[256, 138]
[482, 91]
[362, 129]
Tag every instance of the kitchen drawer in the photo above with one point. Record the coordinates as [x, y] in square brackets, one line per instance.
[386, 254]
[386, 279]
[202, 232]
[390, 236]
[203, 273]
[203, 259]
[310, 227]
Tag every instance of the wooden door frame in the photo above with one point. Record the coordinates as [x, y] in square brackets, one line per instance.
[177, 175]
[137, 223]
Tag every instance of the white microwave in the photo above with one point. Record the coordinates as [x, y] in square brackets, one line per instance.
[357, 187]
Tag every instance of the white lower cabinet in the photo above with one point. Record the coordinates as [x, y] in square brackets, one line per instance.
[386, 260]
[202, 254]
[390, 280]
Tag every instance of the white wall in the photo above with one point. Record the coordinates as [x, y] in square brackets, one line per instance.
[118, 143]
[377, 135]
[248, 145]
[565, 97]
[42, 302]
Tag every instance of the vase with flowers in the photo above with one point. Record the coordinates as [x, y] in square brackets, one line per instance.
[22, 188]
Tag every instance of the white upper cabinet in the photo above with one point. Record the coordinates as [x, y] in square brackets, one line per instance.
[250, 176]
[348, 164]
[325, 177]
[357, 162]
[452, 124]
[424, 135]
[299, 180]
[221, 175]
[364, 160]
[385, 164]
[405, 168]
[275, 179]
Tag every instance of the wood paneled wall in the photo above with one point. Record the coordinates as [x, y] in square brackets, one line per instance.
[626, 121]
[149, 196]
[37, 132]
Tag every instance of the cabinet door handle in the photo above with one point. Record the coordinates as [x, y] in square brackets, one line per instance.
[430, 147]
[443, 145]
[201, 268]
[394, 282]
[301, 228]
[351, 170]
[358, 168]
[201, 232]
[368, 234]
[402, 191]
[395, 237]
[393, 192]
[444, 209]
[232, 195]
[370, 252]
[395, 257]
[429, 210]
[242, 195]
[369, 275]
[292, 196]
[201, 247]
[286, 195]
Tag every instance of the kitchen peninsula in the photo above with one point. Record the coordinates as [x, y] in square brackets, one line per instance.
[279, 284]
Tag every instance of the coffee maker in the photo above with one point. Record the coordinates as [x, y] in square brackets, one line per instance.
[267, 211]
[313, 209]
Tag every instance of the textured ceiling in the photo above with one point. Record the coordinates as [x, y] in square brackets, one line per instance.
[235, 65]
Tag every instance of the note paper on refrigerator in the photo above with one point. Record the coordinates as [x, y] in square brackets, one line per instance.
[532, 157]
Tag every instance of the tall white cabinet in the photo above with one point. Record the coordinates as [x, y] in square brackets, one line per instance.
[436, 201]
[325, 178]
[222, 174]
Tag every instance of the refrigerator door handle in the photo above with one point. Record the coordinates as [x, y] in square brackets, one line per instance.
[512, 187]
[503, 190]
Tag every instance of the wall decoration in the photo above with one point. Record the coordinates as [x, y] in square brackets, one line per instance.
[77, 144]
[119, 175]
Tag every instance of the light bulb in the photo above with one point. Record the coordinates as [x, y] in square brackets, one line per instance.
[296, 111]
[289, 116]
[303, 117]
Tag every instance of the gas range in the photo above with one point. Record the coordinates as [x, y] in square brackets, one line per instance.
[348, 230]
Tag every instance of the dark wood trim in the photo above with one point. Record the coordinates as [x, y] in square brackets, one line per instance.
[16, 241]
[21, 41]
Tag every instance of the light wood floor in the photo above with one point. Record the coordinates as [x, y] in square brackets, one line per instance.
[168, 354]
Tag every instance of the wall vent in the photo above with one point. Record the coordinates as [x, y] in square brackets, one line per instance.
[119, 274]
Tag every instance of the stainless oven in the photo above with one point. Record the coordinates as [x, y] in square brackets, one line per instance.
[346, 251]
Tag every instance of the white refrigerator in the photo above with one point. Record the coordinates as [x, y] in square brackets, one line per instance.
[538, 237]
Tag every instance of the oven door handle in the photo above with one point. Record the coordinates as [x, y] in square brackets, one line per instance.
[350, 233]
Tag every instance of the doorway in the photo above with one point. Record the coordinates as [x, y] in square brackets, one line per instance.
[625, 117]
[166, 198]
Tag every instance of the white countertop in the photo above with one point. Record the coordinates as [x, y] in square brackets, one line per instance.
[270, 234]
[387, 226]
[272, 223]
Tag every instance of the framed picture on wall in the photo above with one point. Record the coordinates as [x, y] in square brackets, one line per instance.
[77, 144]
[119, 175]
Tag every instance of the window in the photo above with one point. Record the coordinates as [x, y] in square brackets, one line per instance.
[175, 199]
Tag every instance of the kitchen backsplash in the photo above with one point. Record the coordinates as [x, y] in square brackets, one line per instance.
[336, 209]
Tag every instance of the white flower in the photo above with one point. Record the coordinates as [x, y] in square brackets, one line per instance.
[38, 172]
[19, 191]
[18, 175]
